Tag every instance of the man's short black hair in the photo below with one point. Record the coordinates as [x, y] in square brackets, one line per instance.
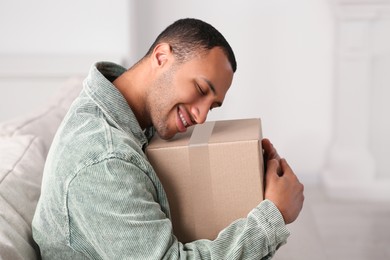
[188, 37]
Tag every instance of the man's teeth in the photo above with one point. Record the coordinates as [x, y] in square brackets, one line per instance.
[183, 119]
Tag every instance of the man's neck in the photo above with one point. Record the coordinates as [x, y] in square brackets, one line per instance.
[132, 86]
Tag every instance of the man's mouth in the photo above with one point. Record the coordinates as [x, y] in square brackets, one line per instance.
[183, 120]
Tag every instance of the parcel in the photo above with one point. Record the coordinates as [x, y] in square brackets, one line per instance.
[212, 175]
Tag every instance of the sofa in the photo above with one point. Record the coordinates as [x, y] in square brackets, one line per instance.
[24, 144]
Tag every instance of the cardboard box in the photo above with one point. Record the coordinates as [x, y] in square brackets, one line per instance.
[212, 174]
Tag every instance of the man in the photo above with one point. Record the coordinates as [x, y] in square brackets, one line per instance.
[101, 199]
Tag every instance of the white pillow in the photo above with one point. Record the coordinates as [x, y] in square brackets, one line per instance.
[21, 165]
[45, 121]
[24, 143]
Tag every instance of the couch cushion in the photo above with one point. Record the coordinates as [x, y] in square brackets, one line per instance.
[44, 121]
[24, 143]
[22, 159]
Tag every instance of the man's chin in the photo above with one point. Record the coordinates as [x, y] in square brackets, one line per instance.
[165, 135]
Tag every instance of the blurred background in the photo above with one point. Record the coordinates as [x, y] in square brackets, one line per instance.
[315, 72]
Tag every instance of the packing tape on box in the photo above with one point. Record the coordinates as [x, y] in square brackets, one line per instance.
[201, 134]
[200, 168]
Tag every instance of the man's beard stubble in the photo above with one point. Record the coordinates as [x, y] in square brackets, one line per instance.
[159, 106]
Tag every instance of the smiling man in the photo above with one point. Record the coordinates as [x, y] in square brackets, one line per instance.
[101, 199]
[172, 95]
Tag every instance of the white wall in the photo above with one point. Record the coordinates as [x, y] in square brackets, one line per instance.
[283, 49]
[285, 58]
[66, 27]
[44, 42]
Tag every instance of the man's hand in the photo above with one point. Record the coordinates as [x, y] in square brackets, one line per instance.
[282, 186]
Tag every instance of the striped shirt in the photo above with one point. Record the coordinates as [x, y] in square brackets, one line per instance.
[101, 198]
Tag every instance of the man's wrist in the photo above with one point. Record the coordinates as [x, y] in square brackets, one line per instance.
[274, 224]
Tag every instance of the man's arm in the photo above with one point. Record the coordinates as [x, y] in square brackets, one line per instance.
[114, 212]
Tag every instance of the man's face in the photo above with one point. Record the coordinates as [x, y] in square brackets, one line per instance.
[183, 94]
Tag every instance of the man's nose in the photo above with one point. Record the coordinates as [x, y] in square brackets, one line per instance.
[199, 112]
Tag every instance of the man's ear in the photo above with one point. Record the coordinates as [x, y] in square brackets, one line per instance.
[162, 53]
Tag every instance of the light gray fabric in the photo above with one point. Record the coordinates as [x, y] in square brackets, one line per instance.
[24, 143]
[21, 166]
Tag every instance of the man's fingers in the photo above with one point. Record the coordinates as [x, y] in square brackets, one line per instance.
[269, 150]
[285, 168]
[284, 165]
[265, 142]
[273, 169]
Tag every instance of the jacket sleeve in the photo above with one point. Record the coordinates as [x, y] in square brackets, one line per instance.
[114, 213]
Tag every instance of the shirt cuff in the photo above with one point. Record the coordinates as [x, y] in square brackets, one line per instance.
[273, 223]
